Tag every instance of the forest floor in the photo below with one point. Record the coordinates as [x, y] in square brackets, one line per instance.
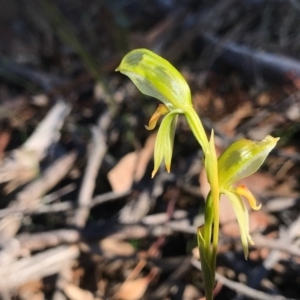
[80, 216]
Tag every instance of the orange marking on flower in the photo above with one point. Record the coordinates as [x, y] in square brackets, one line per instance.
[243, 191]
[160, 111]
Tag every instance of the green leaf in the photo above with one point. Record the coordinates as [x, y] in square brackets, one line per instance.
[242, 159]
[208, 268]
[156, 77]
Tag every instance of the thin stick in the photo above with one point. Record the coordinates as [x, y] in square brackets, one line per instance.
[38, 266]
[29, 197]
[95, 158]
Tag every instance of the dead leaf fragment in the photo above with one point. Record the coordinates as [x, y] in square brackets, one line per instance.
[4, 140]
[190, 293]
[31, 291]
[131, 167]
[74, 292]
[121, 176]
[132, 289]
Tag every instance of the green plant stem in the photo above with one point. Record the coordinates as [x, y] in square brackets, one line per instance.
[208, 276]
[209, 219]
[212, 201]
[211, 168]
[197, 129]
[215, 191]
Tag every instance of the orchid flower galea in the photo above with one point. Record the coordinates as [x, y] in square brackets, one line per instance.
[156, 77]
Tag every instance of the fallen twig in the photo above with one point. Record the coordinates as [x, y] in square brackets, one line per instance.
[271, 67]
[30, 196]
[278, 244]
[95, 158]
[38, 266]
[23, 163]
[163, 290]
[47, 131]
[43, 208]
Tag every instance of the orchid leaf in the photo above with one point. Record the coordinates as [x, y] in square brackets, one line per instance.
[208, 269]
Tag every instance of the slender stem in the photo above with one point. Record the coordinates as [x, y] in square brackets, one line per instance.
[212, 202]
[197, 129]
[208, 276]
[209, 219]
[211, 167]
[215, 191]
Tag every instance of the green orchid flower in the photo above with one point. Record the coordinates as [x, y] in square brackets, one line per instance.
[156, 77]
[241, 159]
